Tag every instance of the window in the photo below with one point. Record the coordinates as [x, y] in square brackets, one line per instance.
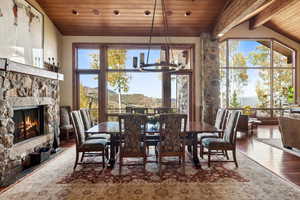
[106, 80]
[256, 73]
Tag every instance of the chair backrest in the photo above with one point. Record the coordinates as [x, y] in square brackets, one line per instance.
[163, 110]
[79, 127]
[128, 109]
[172, 132]
[139, 110]
[86, 118]
[231, 126]
[132, 128]
[64, 115]
[221, 118]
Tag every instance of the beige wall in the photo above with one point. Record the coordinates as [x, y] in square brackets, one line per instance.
[242, 31]
[66, 90]
[52, 37]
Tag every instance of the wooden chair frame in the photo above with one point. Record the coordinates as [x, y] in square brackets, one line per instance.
[123, 154]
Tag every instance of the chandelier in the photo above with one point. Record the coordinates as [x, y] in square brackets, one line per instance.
[164, 65]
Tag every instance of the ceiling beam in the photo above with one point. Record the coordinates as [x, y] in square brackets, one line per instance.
[274, 9]
[237, 11]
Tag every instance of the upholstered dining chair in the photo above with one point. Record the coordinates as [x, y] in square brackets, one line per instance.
[227, 142]
[87, 122]
[132, 129]
[220, 123]
[86, 146]
[65, 123]
[172, 138]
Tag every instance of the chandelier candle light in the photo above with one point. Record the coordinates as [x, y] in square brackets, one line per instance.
[164, 65]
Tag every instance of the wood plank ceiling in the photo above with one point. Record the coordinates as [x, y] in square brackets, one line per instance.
[96, 17]
[287, 22]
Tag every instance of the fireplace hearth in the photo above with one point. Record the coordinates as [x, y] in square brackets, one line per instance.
[29, 123]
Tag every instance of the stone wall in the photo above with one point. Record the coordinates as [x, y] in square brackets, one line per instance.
[211, 78]
[182, 87]
[17, 90]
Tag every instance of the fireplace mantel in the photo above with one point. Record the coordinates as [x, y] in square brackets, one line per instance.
[8, 65]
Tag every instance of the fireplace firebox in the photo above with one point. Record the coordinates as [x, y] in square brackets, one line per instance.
[29, 122]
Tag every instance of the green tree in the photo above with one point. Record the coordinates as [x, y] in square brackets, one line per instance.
[234, 103]
[282, 78]
[119, 81]
[238, 78]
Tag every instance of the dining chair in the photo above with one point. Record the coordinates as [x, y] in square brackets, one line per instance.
[86, 146]
[172, 138]
[87, 122]
[132, 128]
[220, 123]
[227, 142]
[65, 123]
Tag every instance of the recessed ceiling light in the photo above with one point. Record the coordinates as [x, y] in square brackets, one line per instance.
[75, 12]
[147, 12]
[220, 34]
[96, 11]
[116, 12]
[188, 13]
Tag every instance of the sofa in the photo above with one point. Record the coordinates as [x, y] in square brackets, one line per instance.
[290, 131]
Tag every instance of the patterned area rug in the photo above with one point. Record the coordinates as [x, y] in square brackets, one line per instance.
[56, 180]
[278, 144]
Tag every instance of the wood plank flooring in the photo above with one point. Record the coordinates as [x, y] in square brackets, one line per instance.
[284, 164]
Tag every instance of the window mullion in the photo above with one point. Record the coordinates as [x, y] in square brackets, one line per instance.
[227, 74]
[271, 80]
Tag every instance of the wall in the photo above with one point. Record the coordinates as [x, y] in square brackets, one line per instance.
[52, 36]
[242, 31]
[66, 90]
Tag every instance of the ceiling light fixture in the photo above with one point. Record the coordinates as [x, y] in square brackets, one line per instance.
[147, 13]
[75, 12]
[164, 65]
[116, 12]
[188, 13]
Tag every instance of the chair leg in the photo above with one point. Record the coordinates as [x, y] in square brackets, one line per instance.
[209, 151]
[201, 151]
[156, 154]
[226, 154]
[183, 162]
[145, 162]
[234, 157]
[76, 159]
[82, 155]
[120, 165]
[103, 158]
[159, 170]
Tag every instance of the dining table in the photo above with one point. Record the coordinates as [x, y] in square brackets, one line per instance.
[193, 129]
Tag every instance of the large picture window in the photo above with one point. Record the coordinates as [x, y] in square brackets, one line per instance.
[258, 74]
[106, 81]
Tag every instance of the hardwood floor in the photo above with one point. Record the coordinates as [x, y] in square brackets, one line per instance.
[284, 164]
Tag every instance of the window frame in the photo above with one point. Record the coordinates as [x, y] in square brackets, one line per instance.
[227, 69]
[104, 70]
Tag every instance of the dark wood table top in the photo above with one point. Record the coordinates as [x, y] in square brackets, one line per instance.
[113, 127]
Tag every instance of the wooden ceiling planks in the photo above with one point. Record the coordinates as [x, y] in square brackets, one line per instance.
[132, 21]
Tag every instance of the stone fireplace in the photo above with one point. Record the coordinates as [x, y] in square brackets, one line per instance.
[29, 114]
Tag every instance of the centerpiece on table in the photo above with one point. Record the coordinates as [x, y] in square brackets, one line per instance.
[153, 122]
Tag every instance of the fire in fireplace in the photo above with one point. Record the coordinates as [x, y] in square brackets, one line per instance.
[29, 123]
